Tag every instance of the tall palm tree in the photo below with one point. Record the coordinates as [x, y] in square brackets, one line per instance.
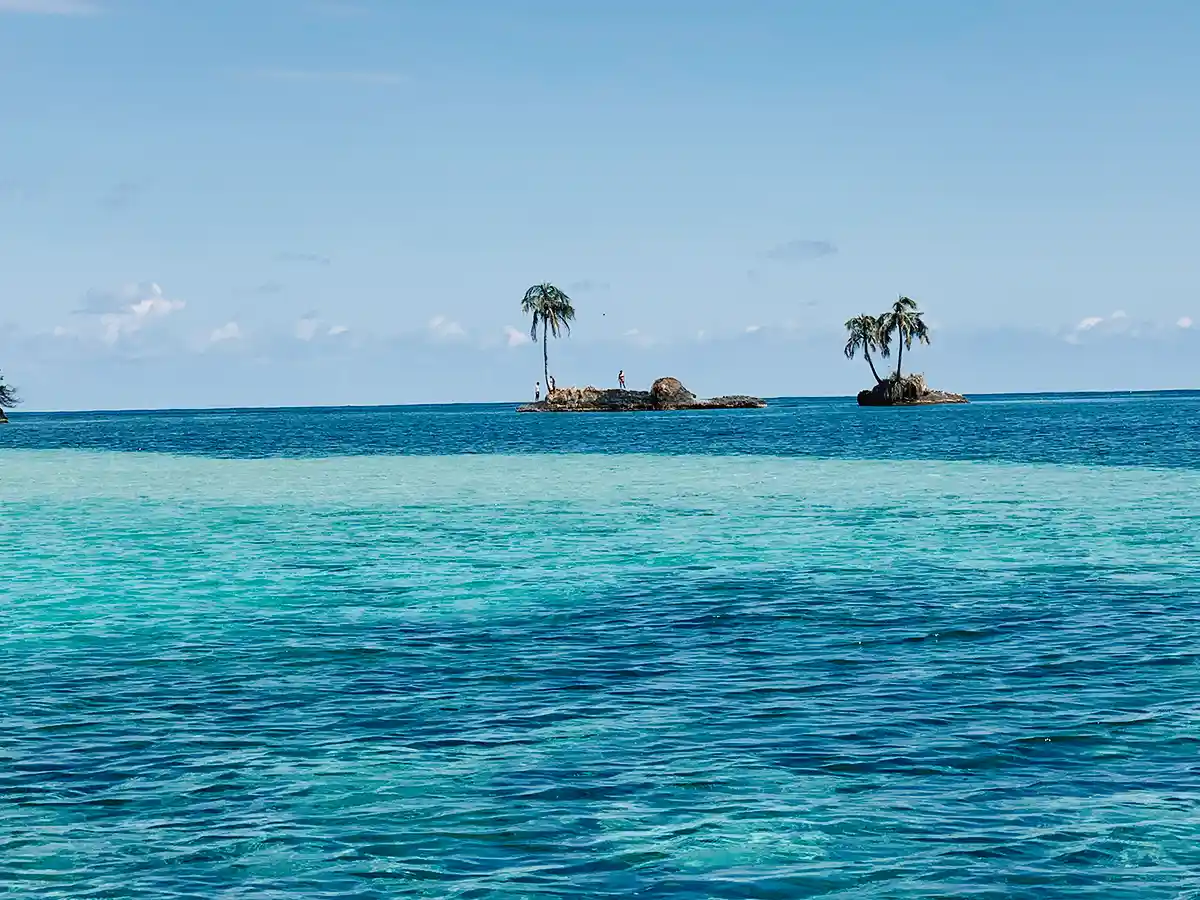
[904, 320]
[862, 333]
[552, 312]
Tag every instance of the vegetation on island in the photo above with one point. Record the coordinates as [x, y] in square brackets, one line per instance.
[8, 395]
[902, 322]
[862, 334]
[551, 312]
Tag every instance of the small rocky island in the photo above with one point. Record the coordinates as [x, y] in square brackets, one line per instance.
[911, 390]
[664, 394]
[903, 324]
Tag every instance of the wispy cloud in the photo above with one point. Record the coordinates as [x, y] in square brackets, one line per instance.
[230, 331]
[313, 258]
[269, 287]
[335, 76]
[442, 328]
[306, 327]
[50, 7]
[515, 337]
[800, 251]
[1120, 325]
[638, 339]
[310, 327]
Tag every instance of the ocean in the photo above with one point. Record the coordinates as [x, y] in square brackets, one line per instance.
[456, 652]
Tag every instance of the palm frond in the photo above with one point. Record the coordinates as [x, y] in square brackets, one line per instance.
[550, 308]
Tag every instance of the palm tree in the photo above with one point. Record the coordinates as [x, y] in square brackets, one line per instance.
[904, 319]
[862, 333]
[552, 312]
[8, 395]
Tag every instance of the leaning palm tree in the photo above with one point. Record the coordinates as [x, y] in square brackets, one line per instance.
[862, 333]
[904, 320]
[552, 312]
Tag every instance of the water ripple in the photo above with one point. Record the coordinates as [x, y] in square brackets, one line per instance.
[586, 676]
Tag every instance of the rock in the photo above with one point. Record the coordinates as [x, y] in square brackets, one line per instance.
[911, 390]
[670, 392]
[3, 417]
[664, 394]
[732, 401]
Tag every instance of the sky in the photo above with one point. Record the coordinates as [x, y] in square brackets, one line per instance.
[311, 202]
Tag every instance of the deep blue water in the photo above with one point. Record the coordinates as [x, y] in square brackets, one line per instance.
[1148, 429]
[809, 651]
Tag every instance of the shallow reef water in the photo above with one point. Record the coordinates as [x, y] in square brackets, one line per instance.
[807, 651]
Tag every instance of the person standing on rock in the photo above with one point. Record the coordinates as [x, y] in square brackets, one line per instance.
[551, 385]
[621, 379]
[537, 391]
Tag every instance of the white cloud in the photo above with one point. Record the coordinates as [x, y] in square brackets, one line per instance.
[306, 328]
[230, 331]
[111, 316]
[445, 329]
[1114, 324]
[515, 337]
[1119, 324]
[751, 329]
[310, 327]
[50, 7]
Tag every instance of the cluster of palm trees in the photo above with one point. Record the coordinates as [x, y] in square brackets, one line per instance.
[901, 323]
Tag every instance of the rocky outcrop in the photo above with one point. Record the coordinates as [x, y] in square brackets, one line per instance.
[911, 390]
[3, 417]
[664, 394]
[669, 393]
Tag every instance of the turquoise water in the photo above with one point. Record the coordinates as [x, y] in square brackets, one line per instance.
[812, 651]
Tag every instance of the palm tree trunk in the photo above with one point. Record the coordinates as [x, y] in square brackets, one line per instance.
[899, 354]
[871, 363]
[545, 361]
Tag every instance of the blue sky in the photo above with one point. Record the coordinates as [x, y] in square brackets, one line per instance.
[312, 201]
